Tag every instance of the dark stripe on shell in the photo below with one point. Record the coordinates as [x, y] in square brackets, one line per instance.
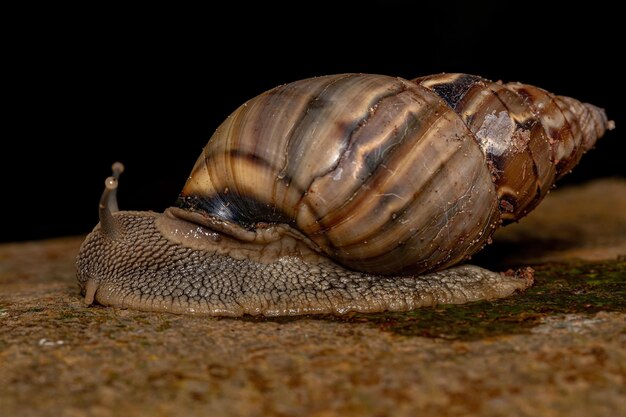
[375, 158]
[316, 101]
[245, 211]
[453, 92]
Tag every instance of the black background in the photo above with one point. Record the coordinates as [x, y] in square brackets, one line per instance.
[149, 86]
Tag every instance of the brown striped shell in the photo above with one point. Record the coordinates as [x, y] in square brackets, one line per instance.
[387, 175]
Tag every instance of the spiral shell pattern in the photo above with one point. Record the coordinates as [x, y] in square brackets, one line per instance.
[387, 175]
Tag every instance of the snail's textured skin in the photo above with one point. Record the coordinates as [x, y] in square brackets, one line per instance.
[311, 181]
[159, 275]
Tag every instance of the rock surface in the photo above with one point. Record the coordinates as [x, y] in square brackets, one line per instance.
[60, 358]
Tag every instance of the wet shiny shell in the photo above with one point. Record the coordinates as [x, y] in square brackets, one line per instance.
[387, 175]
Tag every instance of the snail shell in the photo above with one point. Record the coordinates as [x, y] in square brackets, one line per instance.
[387, 175]
[332, 194]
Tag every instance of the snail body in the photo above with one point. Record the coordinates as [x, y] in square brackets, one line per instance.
[349, 192]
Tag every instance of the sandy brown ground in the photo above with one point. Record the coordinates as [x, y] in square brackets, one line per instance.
[60, 358]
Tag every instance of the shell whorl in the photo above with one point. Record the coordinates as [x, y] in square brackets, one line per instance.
[387, 175]
[530, 137]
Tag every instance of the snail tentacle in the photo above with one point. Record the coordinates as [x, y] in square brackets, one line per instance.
[117, 168]
[108, 205]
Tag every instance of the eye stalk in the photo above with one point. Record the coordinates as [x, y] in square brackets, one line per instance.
[108, 204]
[117, 169]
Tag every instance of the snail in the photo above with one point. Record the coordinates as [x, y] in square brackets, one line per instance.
[342, 193]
